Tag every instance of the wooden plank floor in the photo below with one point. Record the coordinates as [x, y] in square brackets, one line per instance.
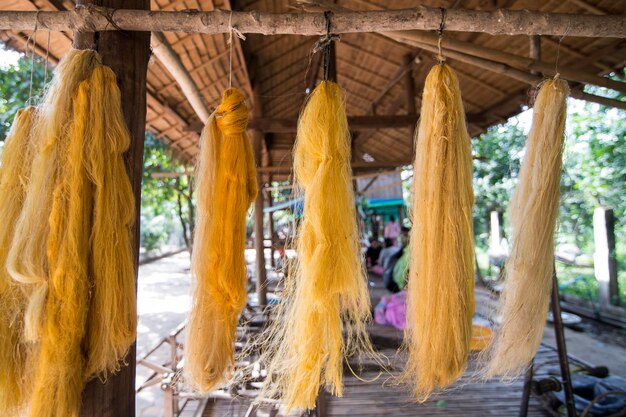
[384, 396]
[467, 398]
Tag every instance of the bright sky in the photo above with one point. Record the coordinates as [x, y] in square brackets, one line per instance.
[8, 57]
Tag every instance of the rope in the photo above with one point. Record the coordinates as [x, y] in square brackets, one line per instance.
[32, 36]
[442, 25]
[558, 50]
[231, 30]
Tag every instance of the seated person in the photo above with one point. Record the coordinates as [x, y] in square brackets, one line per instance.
[385, 254]
[373, 252]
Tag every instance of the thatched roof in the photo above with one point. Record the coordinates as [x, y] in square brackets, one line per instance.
[369, 68]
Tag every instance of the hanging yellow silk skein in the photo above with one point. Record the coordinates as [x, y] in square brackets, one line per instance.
[14, 176]
[112, 310]
[440, 300]
[327, 292]
[227, 185]
[59, 379]
[27, 259]
[533, 212]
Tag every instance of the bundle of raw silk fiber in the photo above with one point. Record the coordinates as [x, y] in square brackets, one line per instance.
[533, 211]
[75, 267]
[227, 185]
[14, 176]
[326, 293]
[441, 273]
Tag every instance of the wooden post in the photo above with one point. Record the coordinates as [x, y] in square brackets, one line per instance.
[604, 260]
[270, 225]
[410, 92]
[127, 53]
[400, 215]
[257, 138]
[535, 50]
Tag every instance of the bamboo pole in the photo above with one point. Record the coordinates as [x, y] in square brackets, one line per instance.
[498, 22]
[522, 76]
[420, 38]
[170, 59]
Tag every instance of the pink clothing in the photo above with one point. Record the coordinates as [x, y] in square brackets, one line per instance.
[391, 310]
[392, 230]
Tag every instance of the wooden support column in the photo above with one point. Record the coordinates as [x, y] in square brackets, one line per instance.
[535, 50]
[257, 138]
[127, 53]
[409, 84]
[270, 224]
[604, 260]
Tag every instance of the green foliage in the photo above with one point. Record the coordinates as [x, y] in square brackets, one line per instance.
[497, 155]
[594, 174]
[166, 203]
[15, 88]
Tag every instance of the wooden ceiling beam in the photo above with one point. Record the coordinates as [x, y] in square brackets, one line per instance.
[357, 167]
[419, 38]
[399, 75]
[356, 123]
[588, 6]
[496, 22]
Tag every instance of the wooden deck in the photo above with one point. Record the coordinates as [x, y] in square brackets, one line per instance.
[384, 396]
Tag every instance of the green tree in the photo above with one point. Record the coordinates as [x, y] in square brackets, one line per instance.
[497, 155]
[15, 88]
[167, 203]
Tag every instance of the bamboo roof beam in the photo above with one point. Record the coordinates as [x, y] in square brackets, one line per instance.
[523, 76]
[507, 58]
[289, 125]
[498, 22]
[170, 59]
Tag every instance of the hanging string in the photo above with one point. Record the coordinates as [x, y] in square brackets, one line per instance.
[32, 36]
[324, 44]
[231, 30]
[47, 55]
[442, 25]
[558, 51]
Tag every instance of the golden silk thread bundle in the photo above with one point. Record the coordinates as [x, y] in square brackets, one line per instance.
[533, 212]
[440, 302]
[27, 259]
[14, 176]
[227, 185]
[327, 292]
[59, 378]
[112, 318]
[71, 248]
